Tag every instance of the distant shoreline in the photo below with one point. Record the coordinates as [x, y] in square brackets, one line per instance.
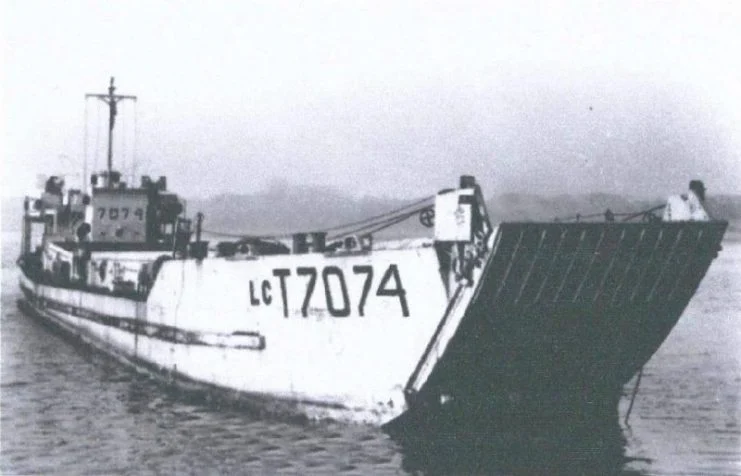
[306, 208]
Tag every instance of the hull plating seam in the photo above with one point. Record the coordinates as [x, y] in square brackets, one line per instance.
[157, 331]
[170, 376]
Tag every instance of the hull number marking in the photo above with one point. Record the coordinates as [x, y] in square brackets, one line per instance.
[339, 300]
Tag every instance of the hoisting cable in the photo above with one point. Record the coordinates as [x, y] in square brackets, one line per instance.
[394, 222]
[378, 225]
[628, 215]
[579, 216]
[645, 212]
[382, 215]
[633, 397]
[384, 220]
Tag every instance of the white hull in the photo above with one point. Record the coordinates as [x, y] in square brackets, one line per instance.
[367, 337]
[202, 324]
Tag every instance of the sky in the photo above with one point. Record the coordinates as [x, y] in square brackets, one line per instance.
[377, 98]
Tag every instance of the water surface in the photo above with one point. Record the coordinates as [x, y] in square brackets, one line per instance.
[67, 410]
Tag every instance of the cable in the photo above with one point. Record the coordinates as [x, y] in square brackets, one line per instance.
[84, 153]
[646, 212]
[123, 145]
[382, 215]
[136, 134]
[367, 223]
[97, 138]
[628, 215]
[394, 222]
[380, 224]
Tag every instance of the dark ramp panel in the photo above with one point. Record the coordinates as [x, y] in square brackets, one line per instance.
[569, 312]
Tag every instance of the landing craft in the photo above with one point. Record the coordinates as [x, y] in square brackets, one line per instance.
[516, 319]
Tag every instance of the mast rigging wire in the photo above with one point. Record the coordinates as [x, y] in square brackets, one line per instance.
[97, 138]
[123, 144]
[84, 152]
[136, 133]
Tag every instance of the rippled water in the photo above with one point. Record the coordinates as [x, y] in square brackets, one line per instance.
[68, 410]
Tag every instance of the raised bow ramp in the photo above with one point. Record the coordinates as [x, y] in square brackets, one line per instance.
[562, 316]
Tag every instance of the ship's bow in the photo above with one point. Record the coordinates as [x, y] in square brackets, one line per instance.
[563, 315]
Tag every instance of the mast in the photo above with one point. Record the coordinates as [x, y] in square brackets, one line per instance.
[112, 100]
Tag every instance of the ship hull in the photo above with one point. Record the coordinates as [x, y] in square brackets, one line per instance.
[240, 329]
[152, 357]
[289, 407]
[553, 324]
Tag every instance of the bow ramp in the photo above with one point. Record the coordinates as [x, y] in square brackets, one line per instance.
[554, 318]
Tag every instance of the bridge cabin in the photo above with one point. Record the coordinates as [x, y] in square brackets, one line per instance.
[107, 240]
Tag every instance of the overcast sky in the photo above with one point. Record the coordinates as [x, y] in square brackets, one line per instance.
[394, 98]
